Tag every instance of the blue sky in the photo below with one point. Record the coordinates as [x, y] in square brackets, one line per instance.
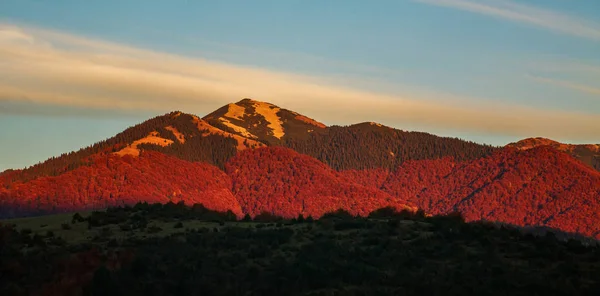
[492, 71]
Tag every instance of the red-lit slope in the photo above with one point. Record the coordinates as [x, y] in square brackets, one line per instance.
[374, 178]
[540, 186]
[283, 182]
[113, 180]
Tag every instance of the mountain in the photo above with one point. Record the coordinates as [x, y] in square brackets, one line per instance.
[588, 154]
[191, 138]
[252, 157]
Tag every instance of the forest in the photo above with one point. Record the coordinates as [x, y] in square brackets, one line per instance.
[536, 187]
[173, 249]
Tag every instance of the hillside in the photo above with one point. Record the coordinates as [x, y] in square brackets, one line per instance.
[111, 180]
[282, 182]
[182, 135]
[540, 186]
[370, 145]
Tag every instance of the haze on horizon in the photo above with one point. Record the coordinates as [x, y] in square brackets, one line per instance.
[492, 71]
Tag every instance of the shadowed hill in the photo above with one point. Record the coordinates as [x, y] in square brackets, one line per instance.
[370, 145]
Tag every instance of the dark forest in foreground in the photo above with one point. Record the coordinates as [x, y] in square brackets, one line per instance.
[177, 250]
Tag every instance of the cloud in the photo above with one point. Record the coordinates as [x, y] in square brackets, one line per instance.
[49, 68]
[543, 18]
[568, 84]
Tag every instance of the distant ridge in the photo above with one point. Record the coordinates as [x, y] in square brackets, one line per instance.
[586, 153]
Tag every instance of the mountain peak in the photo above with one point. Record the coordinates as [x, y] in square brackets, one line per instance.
[248, 101]
[262, 121]
[530, 143]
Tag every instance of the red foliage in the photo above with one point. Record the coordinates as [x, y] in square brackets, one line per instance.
[535, 187]
[540, 186]
[283, 182]
[370, 178]
[111, 180]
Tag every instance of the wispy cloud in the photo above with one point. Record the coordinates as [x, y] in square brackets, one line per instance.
[567, 84]
[53, 68]
[543, 18]
[561, 64]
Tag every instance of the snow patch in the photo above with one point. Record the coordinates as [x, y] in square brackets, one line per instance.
[376, 124]
[269, 112]
[152, 138]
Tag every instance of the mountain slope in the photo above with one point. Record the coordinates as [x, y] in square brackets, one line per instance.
[588, 154]
[178, 134]
[283, 182]
[370, 145]
[540, 186]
